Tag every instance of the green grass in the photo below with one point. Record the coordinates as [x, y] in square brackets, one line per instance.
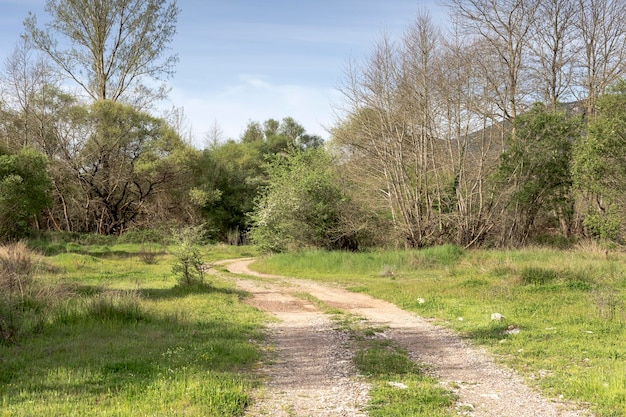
[400, 386]
[569, 307]
[120, 339]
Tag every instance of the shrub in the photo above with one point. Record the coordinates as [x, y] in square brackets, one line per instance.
[189, 267]
[122, 307]
[16, 267]
[16, 306]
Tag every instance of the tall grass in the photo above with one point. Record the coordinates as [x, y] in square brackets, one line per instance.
[567, 309]
[357, 265]
[124, 340]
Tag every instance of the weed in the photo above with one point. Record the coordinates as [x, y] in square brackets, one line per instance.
[387, 271]
[609, 305]
[444, 255]
[123, 306]
[94, 344]
[16, 268]
[20, 310]
[538, 276]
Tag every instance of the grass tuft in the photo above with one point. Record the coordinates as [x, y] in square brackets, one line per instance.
[400, 386]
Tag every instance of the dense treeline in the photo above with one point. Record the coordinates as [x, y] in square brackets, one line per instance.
[507, 129]
[442, 131]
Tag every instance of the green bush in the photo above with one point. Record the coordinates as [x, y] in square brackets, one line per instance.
[189, 266]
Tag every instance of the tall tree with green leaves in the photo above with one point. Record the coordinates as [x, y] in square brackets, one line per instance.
[535, 170]
[109, 47]
[24, 191]
[228, 175]
[599, 167]
[129, 159]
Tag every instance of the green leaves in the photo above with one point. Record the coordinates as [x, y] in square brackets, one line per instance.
[535, 169]
[301, 205]
[24, 186]
[599, 167]
[128, 160]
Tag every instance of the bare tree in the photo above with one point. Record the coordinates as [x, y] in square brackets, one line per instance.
[505, 26]
[108, 47]
[26, 83]
[214, 135]
[390, 136]
[472, 137]
[553, 50]
[602, 31]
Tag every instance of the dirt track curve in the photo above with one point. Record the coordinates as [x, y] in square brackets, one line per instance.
[312, 374]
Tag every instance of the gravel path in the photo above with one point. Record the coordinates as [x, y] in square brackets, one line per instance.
[312, 374]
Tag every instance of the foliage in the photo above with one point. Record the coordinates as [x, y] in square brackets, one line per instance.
[536, 169]
[280, 136]
[188, 266]
[302, 205]
[24, 188]
[229, 175]
[227, 179]
[599, 170]
[128, 159]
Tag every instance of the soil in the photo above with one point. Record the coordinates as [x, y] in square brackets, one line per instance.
[311, 373]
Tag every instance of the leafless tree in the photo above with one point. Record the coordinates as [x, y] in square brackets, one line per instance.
[26, 83]
[553, 50]
[505, 26]
[602, 31]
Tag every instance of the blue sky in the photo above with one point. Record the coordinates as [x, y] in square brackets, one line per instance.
[250, 60]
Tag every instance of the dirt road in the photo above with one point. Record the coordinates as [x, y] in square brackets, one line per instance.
[312, 374]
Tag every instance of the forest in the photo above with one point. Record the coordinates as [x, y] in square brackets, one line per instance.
[505, 129]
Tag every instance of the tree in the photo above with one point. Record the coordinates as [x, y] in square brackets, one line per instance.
[279, 136]
[26, 82]
[24, 187]
[536, 171]
[115, 44]
[302, 205]
[390, 133]
[553, 50]
[599, 167]
[228, 175]
[601, 28]
[128, 160]
[505, 26]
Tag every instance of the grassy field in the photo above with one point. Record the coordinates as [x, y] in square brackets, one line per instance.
[106, 334]
[106, 330]
[564, 325]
